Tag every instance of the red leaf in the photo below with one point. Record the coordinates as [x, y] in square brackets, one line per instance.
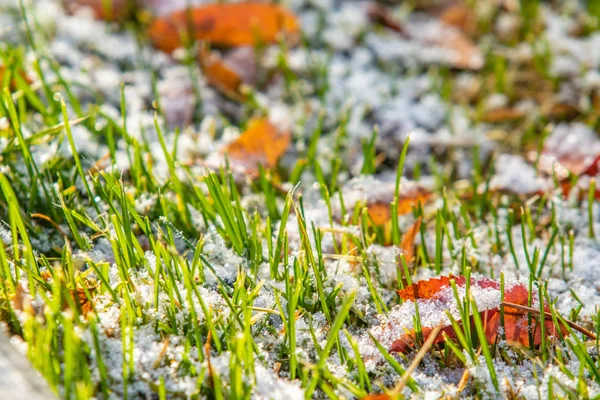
[432, 287]
[516, 321]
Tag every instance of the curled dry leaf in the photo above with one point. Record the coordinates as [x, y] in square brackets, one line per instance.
[225, 24]
[261, 144]
[516, 322]
[229, 73]
[222, 77]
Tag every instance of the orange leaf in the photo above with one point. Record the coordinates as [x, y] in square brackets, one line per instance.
[225, 24]
[261, 144]
[407, 246]
[381, 213]
[428, 289]
[80, 297]
[516, 321]
[408, 240]
[381, 396]
[221, 77]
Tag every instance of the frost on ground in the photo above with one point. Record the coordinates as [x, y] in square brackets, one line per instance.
[505, 150]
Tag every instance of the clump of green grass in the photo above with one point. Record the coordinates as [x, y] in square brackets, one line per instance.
[253, 288]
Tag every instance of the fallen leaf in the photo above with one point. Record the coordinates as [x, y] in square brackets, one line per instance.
[381, 396]
[243, 61]
[381, 213]
[261, 144]
[502, 114]
[407, 248]
[516, 325]
[466, 54]
[431, 288]
[80, 297]
[408, 240]
[554, 110]
[222, 76]
[460, 16]
[225, 24]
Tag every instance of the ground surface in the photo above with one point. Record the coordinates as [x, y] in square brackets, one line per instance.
[132, 266]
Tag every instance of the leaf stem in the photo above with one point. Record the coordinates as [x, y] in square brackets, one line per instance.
[572, 324]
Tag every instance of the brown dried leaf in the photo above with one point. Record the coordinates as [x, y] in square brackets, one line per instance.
[467, 54]
[460, 16]
[500, 115]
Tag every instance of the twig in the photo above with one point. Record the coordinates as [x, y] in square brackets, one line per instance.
[465, 376]
[413, 365]
[572, 324]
